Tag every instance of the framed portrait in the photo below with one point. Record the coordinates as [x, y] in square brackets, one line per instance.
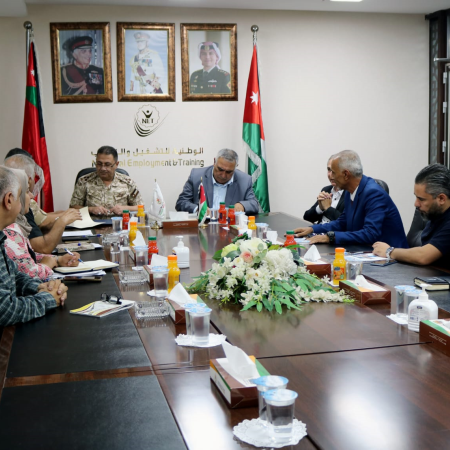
[81, 62]
[209, 62]
[146, 62]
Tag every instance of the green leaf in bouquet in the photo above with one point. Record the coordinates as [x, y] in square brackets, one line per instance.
[231, 255]
[278, 306]
[218, 255]
[267, 304]
[259, 306]
[249, 305]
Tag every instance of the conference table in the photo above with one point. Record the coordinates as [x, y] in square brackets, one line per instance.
[363, 381]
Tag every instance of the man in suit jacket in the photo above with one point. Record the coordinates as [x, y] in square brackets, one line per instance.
[369, 215]
[222, 183]
[329, 205]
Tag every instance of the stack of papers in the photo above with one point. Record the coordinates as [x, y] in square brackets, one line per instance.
[100, 309]
[89, 266]
[86, 220]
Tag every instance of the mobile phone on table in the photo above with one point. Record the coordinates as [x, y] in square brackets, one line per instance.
[383, 263]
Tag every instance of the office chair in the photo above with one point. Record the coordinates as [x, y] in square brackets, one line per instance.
[383, 184]
[93, 169]
[414, 236]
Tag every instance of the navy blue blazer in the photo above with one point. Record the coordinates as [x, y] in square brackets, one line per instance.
[240, 191]
[371, 217]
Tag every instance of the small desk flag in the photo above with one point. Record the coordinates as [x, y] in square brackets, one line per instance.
[202, 206]
[158, 206]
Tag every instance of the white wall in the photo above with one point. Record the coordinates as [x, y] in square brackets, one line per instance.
[329, 81]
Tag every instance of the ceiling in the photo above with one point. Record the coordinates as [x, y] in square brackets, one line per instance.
[17, 8]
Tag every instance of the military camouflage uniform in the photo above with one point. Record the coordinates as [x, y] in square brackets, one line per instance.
[38, 213]
[91, 191]
[216, 81]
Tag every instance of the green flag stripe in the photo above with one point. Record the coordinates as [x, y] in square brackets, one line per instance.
[31, 95]
[251, 134]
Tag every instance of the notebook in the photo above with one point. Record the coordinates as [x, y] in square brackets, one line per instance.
[87, 266]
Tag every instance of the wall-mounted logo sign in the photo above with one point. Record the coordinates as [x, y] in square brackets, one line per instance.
[147, 120]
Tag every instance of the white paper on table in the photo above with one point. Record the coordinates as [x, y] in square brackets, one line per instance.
[77, 233]
[272, 236]
[158, 260]
[86, 220]
[96, 245]
[178, 215]
[367, 257]
[180, 295]
[139, 240]
[362, 282]
[312, 254]
[225, 228]
[301, 240]
[238, 364]
[397, 319]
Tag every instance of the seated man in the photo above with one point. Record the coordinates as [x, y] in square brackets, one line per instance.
[369, 212]
[222, 183]
[22, 298]
[53, 224]
[432, 191]
[106, 191]
[329, 205]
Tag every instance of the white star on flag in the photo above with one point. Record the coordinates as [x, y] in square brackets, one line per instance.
[32, 72]
[254, 97]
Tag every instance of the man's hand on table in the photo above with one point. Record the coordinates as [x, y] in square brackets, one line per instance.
[379, 249]
[70, 216]
[99, 211]
[238, 207]
[57, 289]
[300, 232]
[118, 209]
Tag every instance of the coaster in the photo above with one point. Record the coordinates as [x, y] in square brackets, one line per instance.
[255, 433]
[397, 319]
[214, 340]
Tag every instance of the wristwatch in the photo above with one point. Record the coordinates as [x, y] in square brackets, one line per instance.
[331, 236]
[389, 251]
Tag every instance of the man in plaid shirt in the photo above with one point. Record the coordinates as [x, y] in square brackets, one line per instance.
[22, 298]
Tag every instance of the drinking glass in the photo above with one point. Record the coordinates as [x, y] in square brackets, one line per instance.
[115, 252]
[116, 224]
[265, 384]
[200, 325]
[160, 276]
[141, 256]
[402, 302]
[354, 268]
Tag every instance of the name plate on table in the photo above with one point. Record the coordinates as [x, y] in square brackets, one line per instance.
[438, 332]
[189, 223]
[236, 394]
[365, 296]
[177, 312]
[319, 268]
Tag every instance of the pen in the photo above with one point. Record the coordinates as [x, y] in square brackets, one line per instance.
[70, 253]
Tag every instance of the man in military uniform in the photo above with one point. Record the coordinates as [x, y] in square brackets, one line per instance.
[80, 77]
[147, 68]
[106, 191]
[211, 79]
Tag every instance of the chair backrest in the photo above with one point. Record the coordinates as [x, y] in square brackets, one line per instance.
[383, 184]
[414, 236]
[83, 172]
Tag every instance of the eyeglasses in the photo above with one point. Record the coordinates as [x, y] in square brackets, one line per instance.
[110, 298]
[106, 165]
[228, 172]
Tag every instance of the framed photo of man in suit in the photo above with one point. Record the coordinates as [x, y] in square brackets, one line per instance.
[209, 62]
[146, 62]
[81, 62]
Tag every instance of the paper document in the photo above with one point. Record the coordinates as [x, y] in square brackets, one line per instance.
[88, 266]
[365, 257]
[101, 309]
[77, 233]
[86, 220]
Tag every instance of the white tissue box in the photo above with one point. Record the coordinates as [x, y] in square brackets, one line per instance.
[236, 394]
[177, 312]
[320, 268]
[366, 296]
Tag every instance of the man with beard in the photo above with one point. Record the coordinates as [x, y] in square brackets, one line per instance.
[432, 191]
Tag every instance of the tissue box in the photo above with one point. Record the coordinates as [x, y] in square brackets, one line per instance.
[365, 296]
[431, 330]
[177, 312]
[188, 223]
[148, 272]
[236, 394]
[320, 268]
[234, 229]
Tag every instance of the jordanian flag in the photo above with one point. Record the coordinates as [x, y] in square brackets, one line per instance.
[33, 138]
[202, 206]
[253, 137]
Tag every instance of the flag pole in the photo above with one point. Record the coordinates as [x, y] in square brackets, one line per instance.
[29, 27]
[255, 30]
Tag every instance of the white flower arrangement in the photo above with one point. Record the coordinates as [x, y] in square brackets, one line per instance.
[256, 273]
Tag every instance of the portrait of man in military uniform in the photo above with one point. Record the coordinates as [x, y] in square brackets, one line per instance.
[80, 77]
[211, 79]
[148, 72]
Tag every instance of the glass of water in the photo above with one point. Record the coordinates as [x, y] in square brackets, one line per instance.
[199, 318]
[265, 384]
[141, 256]
[115, 252]
[280, 413]
[116, 223]
[354, 268]
[402, 301]
[188, 307]
[160, 275]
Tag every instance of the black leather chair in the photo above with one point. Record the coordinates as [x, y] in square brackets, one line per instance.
[93, 169]
[383, 184]
[414, 236]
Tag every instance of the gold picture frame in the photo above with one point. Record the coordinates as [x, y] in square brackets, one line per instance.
[146, 61]
[81, 62]
[209, 62]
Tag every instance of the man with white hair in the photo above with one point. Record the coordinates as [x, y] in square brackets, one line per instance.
[22, 298]
[369, 215]
[53, 224]
[211, 79]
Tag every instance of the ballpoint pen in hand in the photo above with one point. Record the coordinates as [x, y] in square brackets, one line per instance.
[70, 253]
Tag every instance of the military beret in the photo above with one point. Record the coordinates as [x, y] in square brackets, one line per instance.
[141, 36]
[81, 42]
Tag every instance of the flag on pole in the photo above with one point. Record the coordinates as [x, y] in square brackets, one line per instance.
[33, 137]
[158, 206]
[202, 206]
[253, 136]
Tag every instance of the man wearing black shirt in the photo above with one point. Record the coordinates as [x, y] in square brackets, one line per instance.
[432, 191]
